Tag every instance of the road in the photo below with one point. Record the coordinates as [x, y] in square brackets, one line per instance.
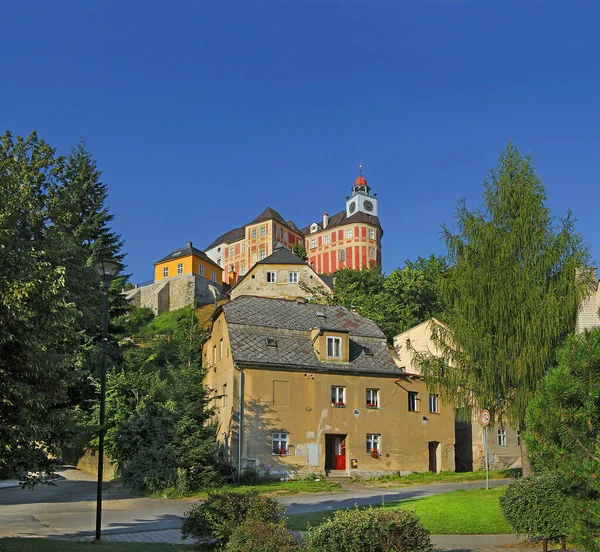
[68, 509]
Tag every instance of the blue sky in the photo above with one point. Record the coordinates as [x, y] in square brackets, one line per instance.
[201, 114]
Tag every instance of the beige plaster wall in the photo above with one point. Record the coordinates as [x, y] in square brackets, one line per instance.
[417, 338]
[255, 282]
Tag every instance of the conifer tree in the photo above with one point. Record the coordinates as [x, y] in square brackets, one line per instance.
[511, 296]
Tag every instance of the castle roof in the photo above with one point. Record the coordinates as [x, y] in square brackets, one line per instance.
[341, 219]
[234, 235]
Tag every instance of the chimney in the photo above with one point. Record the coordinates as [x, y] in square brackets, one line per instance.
[325, 220]
[188, 244]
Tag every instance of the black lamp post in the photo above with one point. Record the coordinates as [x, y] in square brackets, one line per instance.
[107, 270]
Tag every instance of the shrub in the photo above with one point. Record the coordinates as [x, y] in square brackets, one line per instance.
[222, 512]
[376, 530]
[535, 506]
[261, 536]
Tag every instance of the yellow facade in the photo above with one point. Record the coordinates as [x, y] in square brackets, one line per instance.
[190, 264]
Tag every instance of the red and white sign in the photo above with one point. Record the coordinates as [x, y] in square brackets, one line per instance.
[485, 417]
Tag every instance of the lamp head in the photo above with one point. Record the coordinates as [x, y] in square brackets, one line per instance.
[107, 269]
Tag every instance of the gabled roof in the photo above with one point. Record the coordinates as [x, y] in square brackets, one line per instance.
[252, 319]
[186, 251]
[232, 236]
[340, 219]
[282, 255]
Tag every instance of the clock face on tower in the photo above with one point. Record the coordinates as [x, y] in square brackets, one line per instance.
[352, 207]
[368, 205]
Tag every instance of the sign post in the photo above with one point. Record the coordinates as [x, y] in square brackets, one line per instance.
[485, 420]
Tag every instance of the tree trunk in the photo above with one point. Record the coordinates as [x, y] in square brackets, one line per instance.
[525, 464]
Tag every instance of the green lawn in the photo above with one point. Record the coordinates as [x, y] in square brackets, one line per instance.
[429, 478]
[274, 488]
[471, 512]
[51, 545]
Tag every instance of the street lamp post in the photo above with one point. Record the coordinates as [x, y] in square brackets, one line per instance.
[107, 270]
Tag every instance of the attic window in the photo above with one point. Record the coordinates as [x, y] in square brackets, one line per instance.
[368, 351]
[176, 253]
[271, 342]
[320, 314]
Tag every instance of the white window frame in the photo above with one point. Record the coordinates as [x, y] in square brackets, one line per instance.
[434, 403]
[180, 268]
[253, 233]
[201, 270]
[313, 243]
[413, 401]
[214, 354]
[280, 441]
[501, 437]
[338, 395]
[373, 443]
[231, 250]
[372, 398]
[342, 255]
[371, 233]
[243, 248]
[221, 349]
[263, 230]
[326, 239]
[166, 272]
[213, 276]
[262, 254]
[334, 344]
[285, 236]
[243, 270]
[349, 233]
[292, 277]
[271, 277]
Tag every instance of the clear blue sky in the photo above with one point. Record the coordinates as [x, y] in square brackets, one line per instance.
[201, 114]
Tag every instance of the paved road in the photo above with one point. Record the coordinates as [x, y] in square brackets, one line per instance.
[69, 508]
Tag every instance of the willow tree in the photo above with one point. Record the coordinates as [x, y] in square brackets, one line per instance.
[512, 294]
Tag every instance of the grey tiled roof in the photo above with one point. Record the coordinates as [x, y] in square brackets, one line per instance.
[229, 237]
[340, 218]
[291, 315]
[250, 347]
[189, 249]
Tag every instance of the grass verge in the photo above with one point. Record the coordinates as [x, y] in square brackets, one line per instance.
[271, 488]
[429, 478]
[52, 545]
[474, 512]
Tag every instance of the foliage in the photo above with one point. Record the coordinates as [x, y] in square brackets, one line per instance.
[222, 512]
[535, 506]
[564, 430]
[261, 536]
[299, 250]
[512, 294]
[358, 529]
[37, 338]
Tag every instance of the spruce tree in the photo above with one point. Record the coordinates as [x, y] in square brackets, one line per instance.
[511, 295]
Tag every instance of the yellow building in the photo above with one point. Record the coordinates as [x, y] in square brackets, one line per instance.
[304, 387]
[185, 262]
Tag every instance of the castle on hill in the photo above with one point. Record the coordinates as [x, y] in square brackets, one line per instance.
[348, 239]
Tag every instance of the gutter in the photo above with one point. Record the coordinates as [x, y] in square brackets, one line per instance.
[240, 421]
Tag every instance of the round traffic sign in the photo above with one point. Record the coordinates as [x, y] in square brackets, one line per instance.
[485, 417]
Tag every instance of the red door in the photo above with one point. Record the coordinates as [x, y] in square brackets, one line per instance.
[339, 453]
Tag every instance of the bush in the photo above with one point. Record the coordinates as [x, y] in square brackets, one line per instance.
[222, 512]
[535, 506]
[261, 536]
[376, 530]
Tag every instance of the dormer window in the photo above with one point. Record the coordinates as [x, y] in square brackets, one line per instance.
[271, 342]
[314, 227]
[334, 347]
[368, 351]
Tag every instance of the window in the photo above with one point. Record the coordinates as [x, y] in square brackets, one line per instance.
[413, 405]
[338, 396]
[313, 243]
[371, 252]
[278, 232]
[373, 443]
[201, 270]
[214, 354]
[254, 233]
[518, 437]
[293, 277]
[219, 261]
[372, 398]
[262, 254]
[325, 240]
[371, 234]
[342, 255]
[280, 443]
[243, 269]
[231, 251]
[221, 349]
[334, 347]
[180, 268]
[285, 236]
[243, 248]
[231, 268]
[271, 342]
[263, 230]
[213, 276]
[349, 233]
[271, 277]
[433, 403]
[502, 437]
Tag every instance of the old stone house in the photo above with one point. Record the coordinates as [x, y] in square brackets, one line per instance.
[304, 388]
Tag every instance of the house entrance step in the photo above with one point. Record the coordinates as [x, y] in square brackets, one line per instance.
[337, 474]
